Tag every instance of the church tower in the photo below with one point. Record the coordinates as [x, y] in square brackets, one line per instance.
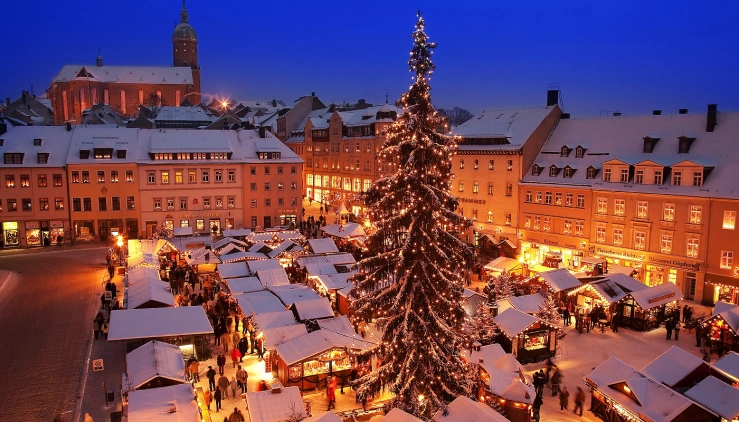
[185, 51]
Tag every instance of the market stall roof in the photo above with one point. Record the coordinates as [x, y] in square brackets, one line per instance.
[529, 304]
[132, 324]
[241, 257]
[229, 248]
[142, 273]
[150, 292]
[326, 417]
[505, 373]
[244, 284]
[317, 342]
[339, 258]
[592, 260]
[316, 308]
[656, 296]
[620, 269]
[560, 279]
[322, 246]
[233, 270]
[293, 235]
[722, 306]
[236, 232]
[282, 318]
[729, 315]
[342, 210]
[273, 277]
[673, 366]
[321, 268]
[154, 359]
[268, 406]
[285, 246]
[503, 264]
[266, 264]
[202, 256]
[628, 284]
[606, 289]
[190, 243]
[538, 268]
[397, 415]
[509, 243]
[291, 293]
[175, 403]
[258, 302]
[260, 247]
[274, 336]
[339, 324]
[648, 397]
[344, 231]
[464, 409]
[512, 321]
[228, 241]
[334, 281]
[717, 396]
[182, 231]
[729, 365]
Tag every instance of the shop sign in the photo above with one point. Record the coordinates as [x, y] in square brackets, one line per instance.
[199, 215]
[285, 211]
[10, 225]
[472, 201]
[662, 297]
[32, 225]
[619, 254]
[675, 263]
[194, 245]
[56, 224]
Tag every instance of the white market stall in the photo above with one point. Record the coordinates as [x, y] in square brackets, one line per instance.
[148, 293]
[322, 246]
[233, 270]
[175, 403]
[503, 264]
[529, 304]
[344, 231]
[311, 309]
[464, 409]
[258, 302]
[560, 280]
[244, 284]
[273, 277]
[528, 338]
[275, 405]
[154, 364]
[266, 264]
[292, 293]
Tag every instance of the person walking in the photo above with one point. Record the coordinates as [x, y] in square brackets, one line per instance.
[217, 395]
[260, 350]
[208, 397]
[234, 385]
[564, 399]
[111, 270]
[243, 347]
[566, 317]
[211, 374]
[579, 400]
[539, 382]
[104, 329]
[195, 370]
[698, 335]
[235, 356]
[243, 378]
[538, 401]
[331, 393]
[223, 385]
[96, 327]
[555, 382]
[677, 330]
[225, 340]
[235, 337]
[221, 361]
[236, 416]
[669, 325]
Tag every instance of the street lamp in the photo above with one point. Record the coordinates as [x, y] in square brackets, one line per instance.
[120, 249]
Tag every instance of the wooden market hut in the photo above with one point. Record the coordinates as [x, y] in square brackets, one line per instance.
[502, 264]
[722, 327]
[464, 409]
[526, 337]
[560, 281]
[646, 309]
[148, 293]
[602, 292]
[155, 364]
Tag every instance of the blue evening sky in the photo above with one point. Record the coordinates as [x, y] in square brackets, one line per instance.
[630, 56]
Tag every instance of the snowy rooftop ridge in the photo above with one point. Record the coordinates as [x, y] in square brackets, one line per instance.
[515, 124]
[127, 74]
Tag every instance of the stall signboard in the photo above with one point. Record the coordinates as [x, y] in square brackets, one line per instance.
[661, 297]
[32, 225]
[267, 363]
[194, 245]
[56, 224]
[10, 225]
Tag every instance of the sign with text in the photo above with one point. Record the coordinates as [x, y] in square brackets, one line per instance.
[97, 365]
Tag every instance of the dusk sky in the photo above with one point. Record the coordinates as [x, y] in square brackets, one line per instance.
[628, 56]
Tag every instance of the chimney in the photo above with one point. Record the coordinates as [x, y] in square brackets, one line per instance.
[99, 61]
[69, 126]
[711, 117]
[23, 96]
[7, 101]
[565, 116]
[262, 131]
[616, 113]
[552, 97]
[656, 112]
[312, 94]
[682, 111]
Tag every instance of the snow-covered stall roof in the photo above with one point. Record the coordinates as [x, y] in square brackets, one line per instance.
[282, 318]
[344, 231]
[322, 246]
[274, 336]
[266, 264]
[729, 365]
[258, 302]
[236, 232]
[339, 258]
[717, 396]
[261, 248]
[268, 236]
[241, 257]
[152, 360]
[729, 313]
[175, 403]
[315, 343]
[266, 406]
[291, 293]
[148, 290]
[228, 249]
[233, 270]
[529, 304]
[316, 308]
[319, 268]
[560, 279]
[202, 256]
[653, 297]
[505, 373]
[244, 284]
[397, 415]
[228, 241]
[606, 289]
[672, 366]
[722, 306]
[273, 277]
[326, 417]
[182, 231]
[142, 273]
[502, 264]
[286, 245]
[628, 284]
[464, 409]
[648, 397]
[131, 324]
[512, 321]
[191, 243]
[339, 324]
[334, 281]
[620, 269]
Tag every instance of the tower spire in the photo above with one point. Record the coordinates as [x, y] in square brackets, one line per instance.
[183, 13]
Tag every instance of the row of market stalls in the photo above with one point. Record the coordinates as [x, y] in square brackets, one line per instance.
[676, 386]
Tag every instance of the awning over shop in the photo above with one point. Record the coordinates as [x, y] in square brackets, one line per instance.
[509, 244]
[560, 279]
[605, 289]
[285, 246]
[273, 336]
[320, 268]
[228, 241]
[503, 264]
[135, 324]
[653, 297]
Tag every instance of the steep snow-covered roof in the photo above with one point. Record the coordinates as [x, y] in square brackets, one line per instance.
[560, 279]
[515, 124]
[154, 359]
[628, 284]
[127, 74]
[55, 141]
[672, 366]
[717, 396]
[512, 321]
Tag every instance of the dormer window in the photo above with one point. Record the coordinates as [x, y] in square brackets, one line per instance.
[565, 151]
[649, 143]
[684, 144]
[37, 142]
[579, 152]
[569, 171]
[591, 172]
[607, 175]
[84, 154]
[103, 153]
[121, 153]
[553, 171]
[2, 142]
[43, 157]
[536, 170]
[13, 157]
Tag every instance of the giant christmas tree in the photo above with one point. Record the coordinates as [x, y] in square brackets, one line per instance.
[413, 283]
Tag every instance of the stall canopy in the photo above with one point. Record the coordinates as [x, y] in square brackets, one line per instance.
[133, 324]
[182, 231]
[397, 415]
[202, 256]
[142, 273]
[175, 403]
[627, 283]
[472, 300]
[321, 268]
[717, 396]
[241, 256]
[560, 279]
[285, 246]
[606, 289]
[729, 313]
[335, 259]
[505, 374]
[293, 235]
[653, 297]
[267, 264]
[316, 308]
[315, 343]
[273, 405]
[620, 269]
[154, 360]
[258, 302]
[674, 366]
[261, 248]
[292, 293]
[149, 293]
[332, 282]
[281, 318]
[729, 366]
[338, 324]
[244, 285]
[236, 232]
[191, 243]
[512, 321]
[342, 210]
[464, 409]
[322, 246]
[226, 241]
[344, 231]
[228, 249]
[274, 336]
[233, 270]
[503, 264]
[273, 277]
[326, 417]
[529, 304]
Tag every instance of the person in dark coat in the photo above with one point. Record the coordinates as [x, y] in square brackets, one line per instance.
[566, 316]
[669, 326]
[579, 400]
[537, 406]
[556, 376]
[698, 335]
[615, 320]
[221, 361]
[217, 395]
[211, 374]
[539, 382]
[243, 347]
[564, 399]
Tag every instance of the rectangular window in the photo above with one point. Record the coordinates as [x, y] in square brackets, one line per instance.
[668, 212]
[461, 186]
[580, 200]
[206, 203]
[42, 182]
[75, 178]
[165, 177]
[547, 224]
[641, 209]
[461, 164]
[618, 236]
[57, 180]
[199, 224]
[266, 186]
[558, 198]
[184, 223]
[692, 247]
[537, 222]
[529, 196]
[474, 215]
[538, 197]
[281, 185]
[253, 203]
[528, 222]
[567, 226]
[178, 178]
[205, 177]
[115, 203]
[102, 204]
[253, 186]
[548, 198]
[624, 176]
[87, 204]
[729, 220]
[157, 204]
[151, 177]
[677, 178]
[26, 204]
[294, 201]
[101, 177]
[130, 204]
[183, 203]
[510, 165]
[475, 187]
[696, 214]
[231, 176]
[293, 170]
[590, 174]
[602, 206]
[579, 227]
[619, 207]
[85, 177]
[508, 189]
[43, 204]
[218, 176]
[231, 201]
[639, 177]
[25, 181]
[490, 216]
[508, 219]
[129, 176]
[476, 164]
[568, 200]
[658, 177]
[76, 204]
[666, 243]
[170, 203]
[192, 177]
[267, 202]
[697, 178]
[607, 175]
[600, 235]
[293, 185]
[114, 176]
[491, 165]
[279, 168]
[727, 259]
[266, 169]
[640, 240]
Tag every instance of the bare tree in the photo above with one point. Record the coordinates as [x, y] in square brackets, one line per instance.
[456, 115]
